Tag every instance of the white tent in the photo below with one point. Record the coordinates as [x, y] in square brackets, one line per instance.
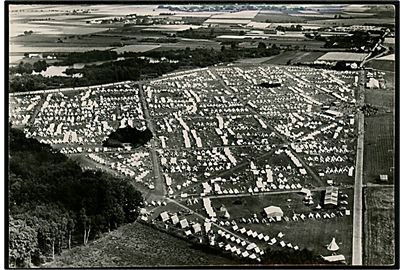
[273, 211]
[333, 246]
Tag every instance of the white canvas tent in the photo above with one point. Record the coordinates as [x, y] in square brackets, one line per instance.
[333, 246]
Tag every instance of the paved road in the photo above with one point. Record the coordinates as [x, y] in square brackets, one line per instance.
[357, 251]
[160, 187]
[379, 43]
[34, 115]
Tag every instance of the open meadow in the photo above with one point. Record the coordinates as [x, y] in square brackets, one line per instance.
[379, 226]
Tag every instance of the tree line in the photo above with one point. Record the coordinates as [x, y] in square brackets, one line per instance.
[136, 68]
[27, 68]
[54, 204]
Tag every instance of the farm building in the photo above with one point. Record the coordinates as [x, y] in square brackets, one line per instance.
[273, 211]
[384, 178]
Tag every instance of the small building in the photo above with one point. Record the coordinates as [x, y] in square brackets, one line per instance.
[384, 178]
[273, 211]
[334, 258]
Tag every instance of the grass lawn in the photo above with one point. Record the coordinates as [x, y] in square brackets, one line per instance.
[379, 226]
[137, 245]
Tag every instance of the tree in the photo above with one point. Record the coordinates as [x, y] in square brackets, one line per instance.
[261, 46]
[22, 243]
[86, 225]
[70, 228]
[40, 66]
[52, 196]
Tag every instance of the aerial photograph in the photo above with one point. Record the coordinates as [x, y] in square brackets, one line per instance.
[201, 135]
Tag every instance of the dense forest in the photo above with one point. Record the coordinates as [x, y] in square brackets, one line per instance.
[361, 40]
[135, 68]
[54, 204]
[86, 57]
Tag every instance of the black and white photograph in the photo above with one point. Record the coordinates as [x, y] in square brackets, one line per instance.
[201, 135]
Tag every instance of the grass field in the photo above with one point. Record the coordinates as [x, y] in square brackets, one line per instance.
[136, 48]
[383, 99]
[385, 65]
[278, 18]
[137, 245]
[379, 147]
[379, 226]
[355, 21]
[294, 56]
[312, 234]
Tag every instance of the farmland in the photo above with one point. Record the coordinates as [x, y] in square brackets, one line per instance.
[293, 57]
[379, 227]
[379, 145]
[379, 132]
[136, 48]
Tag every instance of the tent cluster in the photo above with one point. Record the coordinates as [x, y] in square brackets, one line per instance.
[295, 217]
[135, 165]
[184, 95]
[256, 179]
[86, 117]
[237, 245]
[264, 237]
[188, 227]
[21, 108]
